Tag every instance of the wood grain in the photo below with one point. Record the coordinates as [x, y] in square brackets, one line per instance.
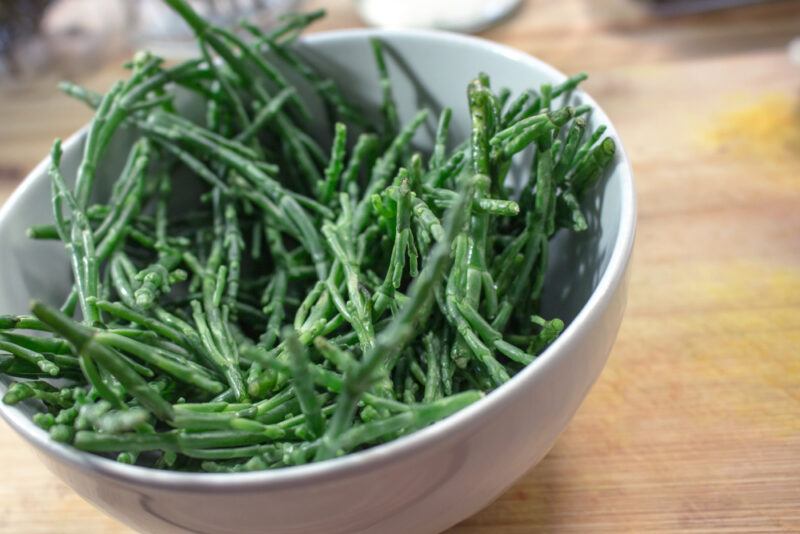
[695, 423]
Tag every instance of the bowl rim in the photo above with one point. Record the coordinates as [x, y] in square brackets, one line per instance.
[362, 461]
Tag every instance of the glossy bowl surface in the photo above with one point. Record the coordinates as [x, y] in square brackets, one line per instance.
[436, 477]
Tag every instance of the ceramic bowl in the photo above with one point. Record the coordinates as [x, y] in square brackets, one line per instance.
[421, 483]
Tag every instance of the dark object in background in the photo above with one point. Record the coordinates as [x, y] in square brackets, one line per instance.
[18, 19]
[686, 7]
[66, 37]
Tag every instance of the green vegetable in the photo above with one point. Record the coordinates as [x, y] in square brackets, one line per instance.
[245, 298]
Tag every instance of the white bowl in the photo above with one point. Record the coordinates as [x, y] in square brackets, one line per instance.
[424, 482]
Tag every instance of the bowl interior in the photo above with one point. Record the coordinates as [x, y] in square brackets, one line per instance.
[428, 69]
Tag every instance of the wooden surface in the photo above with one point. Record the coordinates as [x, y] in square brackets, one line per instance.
[695, 423]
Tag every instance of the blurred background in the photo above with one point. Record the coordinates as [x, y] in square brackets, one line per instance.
[70, 36]
[694, 424]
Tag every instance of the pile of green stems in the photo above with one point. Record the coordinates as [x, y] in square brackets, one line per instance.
[315, 297]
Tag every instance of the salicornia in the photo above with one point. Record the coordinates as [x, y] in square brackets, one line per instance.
[249, 296]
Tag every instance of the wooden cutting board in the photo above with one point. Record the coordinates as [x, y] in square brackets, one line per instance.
[695, 423]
